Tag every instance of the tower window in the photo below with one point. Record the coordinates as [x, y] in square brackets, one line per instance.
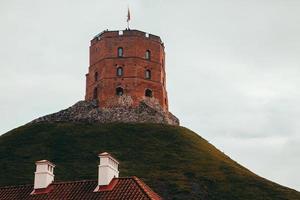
[148, 74]
[148, 55]
[96, 76]
[148, 93]
[95, 93]
[120, 52]
[119, 91]
[119, 71]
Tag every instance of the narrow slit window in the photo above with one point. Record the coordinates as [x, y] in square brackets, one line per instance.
[120, 52]
[95, 93]
[119, 91]
[148, 93]
[148, 74]
[119, 71]
[148, 55]
[96, 76]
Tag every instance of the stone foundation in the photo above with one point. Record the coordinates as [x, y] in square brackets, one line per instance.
[88, 111]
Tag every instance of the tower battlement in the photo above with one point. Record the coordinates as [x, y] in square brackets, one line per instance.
[124, 33]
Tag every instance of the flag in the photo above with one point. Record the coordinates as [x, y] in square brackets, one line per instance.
[128, 15]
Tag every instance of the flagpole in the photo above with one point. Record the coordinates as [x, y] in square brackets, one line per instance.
[128, 18]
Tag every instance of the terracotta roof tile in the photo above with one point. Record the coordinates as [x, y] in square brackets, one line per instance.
[124, 188]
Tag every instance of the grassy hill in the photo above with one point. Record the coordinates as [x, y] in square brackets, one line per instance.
[174, 161]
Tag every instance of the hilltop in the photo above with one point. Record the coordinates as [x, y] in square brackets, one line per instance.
[176, 162]
[147, 111]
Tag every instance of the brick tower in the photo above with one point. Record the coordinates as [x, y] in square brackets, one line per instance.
[126, 66]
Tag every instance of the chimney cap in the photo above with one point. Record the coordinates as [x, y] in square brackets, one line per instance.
[45, 162]
[105, 154]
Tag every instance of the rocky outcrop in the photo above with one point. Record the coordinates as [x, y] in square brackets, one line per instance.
[88, 111]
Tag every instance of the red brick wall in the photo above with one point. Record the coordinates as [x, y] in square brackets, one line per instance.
[104, 60]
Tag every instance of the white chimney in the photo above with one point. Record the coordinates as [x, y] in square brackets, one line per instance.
[43, 175]
[108, 169]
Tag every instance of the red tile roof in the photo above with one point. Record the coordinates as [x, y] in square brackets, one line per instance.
[130, 188]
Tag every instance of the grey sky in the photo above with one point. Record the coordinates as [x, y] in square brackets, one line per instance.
[233, 68]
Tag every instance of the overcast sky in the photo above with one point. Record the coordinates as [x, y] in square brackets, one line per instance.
[233, 68]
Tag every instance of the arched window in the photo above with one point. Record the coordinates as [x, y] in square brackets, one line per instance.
[119, 91]
[95, 93]
[96, 76]
[119, 71]
[148, 74]
[148, 93]
[148, 55]
[120, 52]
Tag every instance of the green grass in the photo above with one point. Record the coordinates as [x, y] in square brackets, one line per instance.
[174, 161]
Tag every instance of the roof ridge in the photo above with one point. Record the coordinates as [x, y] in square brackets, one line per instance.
[61, 182]
[83, 181]
[146, 189]
[14, 186]
[69, 182]
[125, 177]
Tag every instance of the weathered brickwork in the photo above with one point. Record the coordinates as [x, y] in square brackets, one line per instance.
[102, 79]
